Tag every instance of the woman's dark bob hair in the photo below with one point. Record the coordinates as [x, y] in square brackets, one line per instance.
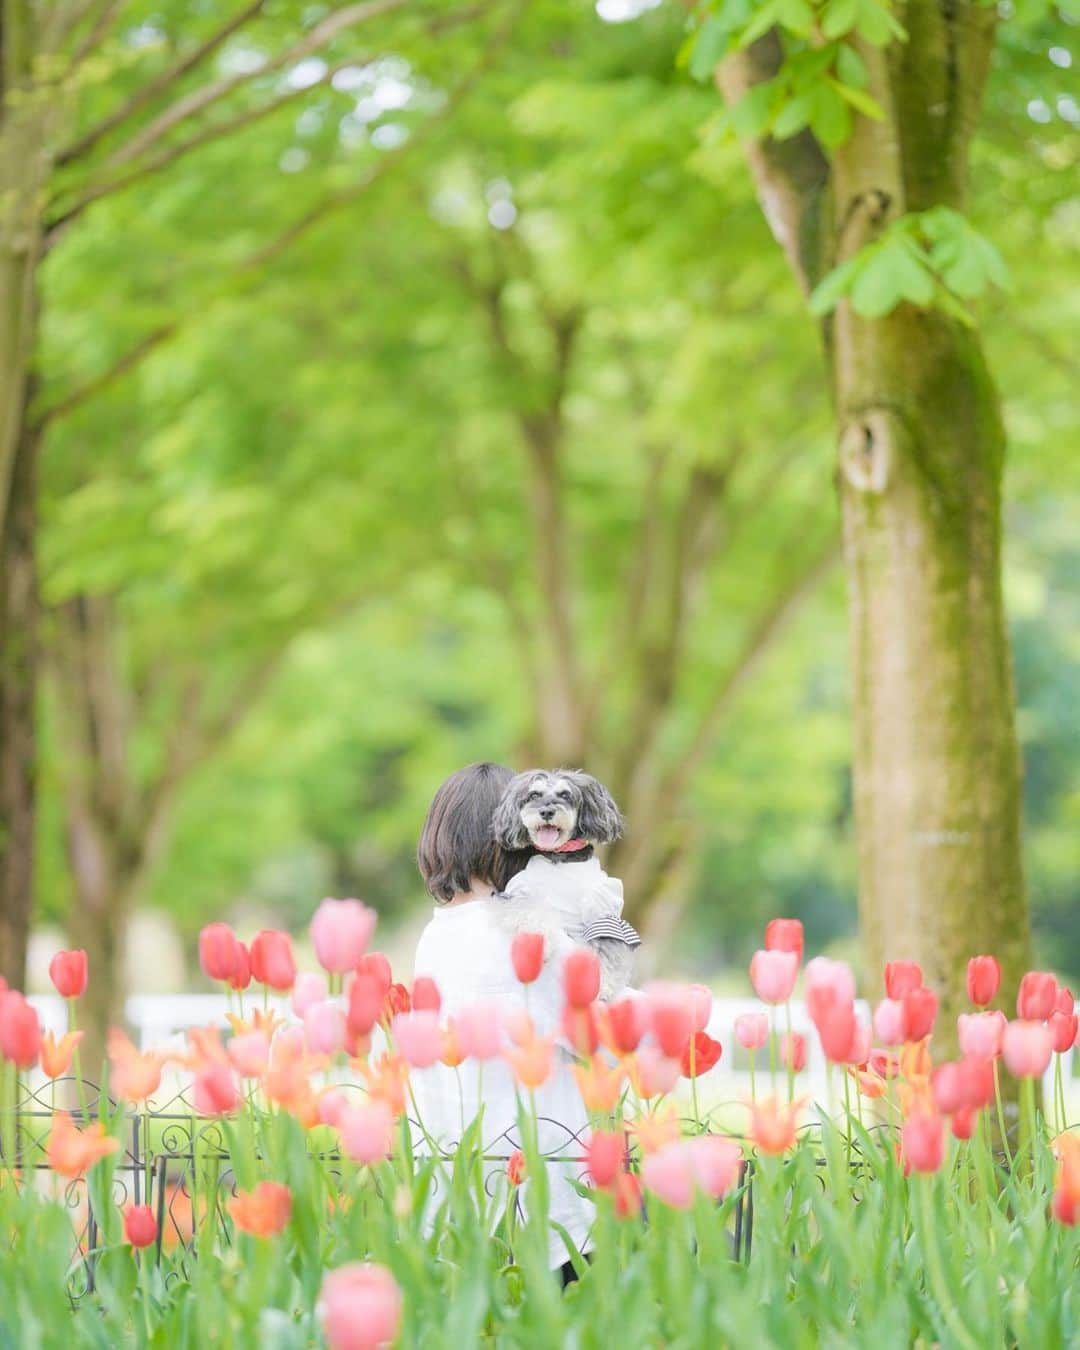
[457, 844]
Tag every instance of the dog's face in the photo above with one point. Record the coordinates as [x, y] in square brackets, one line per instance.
[546, 809]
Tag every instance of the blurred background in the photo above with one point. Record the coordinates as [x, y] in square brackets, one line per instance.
[438, 394]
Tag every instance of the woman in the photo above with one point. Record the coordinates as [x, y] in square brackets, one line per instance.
[466, 951]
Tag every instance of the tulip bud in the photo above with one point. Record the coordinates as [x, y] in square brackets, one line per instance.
[604, 1156]
[218, 951]
[359, 1307]
[340, 932]
[68, 972]
[920, 1012]
[784, 935]
[923, 1142]
[752, 1030]
[1026, 1048]
[890, 1026]
[773, 975]
[983, 980]
[581, 977]
[425, 995]
[140, 1226]
[1037, 996]
[272, 961]
[527, 956]
[902, 978]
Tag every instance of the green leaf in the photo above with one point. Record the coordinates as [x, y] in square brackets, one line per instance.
[708, 48]
[850, 67]
[796, 16]
[759, 25]
[792, 117]
[876, 290]
[750, 116]
[830, 118]
[877, 25]
[840, 17]
[860, 100]
[834, 286]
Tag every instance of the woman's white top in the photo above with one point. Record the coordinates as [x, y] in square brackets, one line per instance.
[466, 951]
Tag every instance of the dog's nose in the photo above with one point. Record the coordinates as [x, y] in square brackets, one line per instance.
[547, 813]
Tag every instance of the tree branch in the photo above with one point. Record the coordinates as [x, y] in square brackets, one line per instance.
[158, 84]
[96, 33]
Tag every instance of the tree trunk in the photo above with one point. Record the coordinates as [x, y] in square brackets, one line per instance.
[937, 772]
[18, 689]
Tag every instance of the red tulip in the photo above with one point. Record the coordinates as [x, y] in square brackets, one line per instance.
[670, 1017]
[397, 1001]
[1037, 996]
[837, 1028]
[425, 995]
[793, 1052]
[68, 972]
[707, 1054]
[784, 935]
[366, 996]
[1063, 1028]
[963, 1122]
[1026, 1048]
[359, 1307]
[624, 1024]
[272, 961]
[241, 976]
[1064, 1001]
[580, 1029]
[218, 951]
[581, 977]
[527, 956]
[923, 1142]
[920, 1012]
[901, 978]
[377, 964]
[516, 1169]
[140, 1226]
[752, 1030]
[980, 1033]
[773, 974]
[983, 979]
[20, 1030]
[604, 1155]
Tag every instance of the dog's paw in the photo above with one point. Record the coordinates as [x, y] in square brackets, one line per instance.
[616, 966]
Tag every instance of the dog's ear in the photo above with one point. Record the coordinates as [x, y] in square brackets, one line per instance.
[506, 824]
[599, 819]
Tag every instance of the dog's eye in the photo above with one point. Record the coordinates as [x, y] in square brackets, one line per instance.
[563, 796]
[534, 796]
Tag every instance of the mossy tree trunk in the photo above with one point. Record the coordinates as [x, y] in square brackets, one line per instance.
[921, 449]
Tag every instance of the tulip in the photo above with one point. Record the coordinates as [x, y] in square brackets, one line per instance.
[56, 1055]
[367, 1132]
[656, 1130]
[654, 1074]
[714, 1162]
[667, 1174]
[752, 1030]
[622, 1025]
[963, 1122]
[600, 1085]
[947, 1084]
[20, 1030]
[772, 1126]
[983, 980]
[272, 960]
[923, 1142]
[889, 1024]
[825, 978]
[581, 977]
[920, 1012]
[516, 1168]
[533, 1061]
[340, 932]
[452, 1054]
[519, 1026]
[241, 976]
[1064, 1001]
[359, 1307]
[980, 1034]
[1063, 1029]
[700, 1001]
[478, 1031]
[397, 1001]
[901, 979]
[68, 972]
[249, 1053]
[670, 1017]
[784, 935]
[1026, 1048]
[793, 1052]
[1066, 1202]
[366, 997]
[134, 1075]
[71, 1152]
[377, 964]
[264, 1211]
[324, 1029]
[332, 1105]
[773, 974]
[706, 1055]
[140, 1226]
[216, 1093]
[837, 1028]
[1037, 996]
[628, 1201]
[527, 956]
[580, 1029]
[218, 951]
[418, 1037]
[425, 995]
[604, 1157]
[310, 988]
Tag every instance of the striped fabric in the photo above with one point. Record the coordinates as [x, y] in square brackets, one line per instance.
[611, 927]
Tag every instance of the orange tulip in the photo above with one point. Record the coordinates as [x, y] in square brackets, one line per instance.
[532, 1062]
[70, 1151]
[134, 1076]
[773, 1127]
[599, 1085]
[654, 1131]
[266, 1021]
[386, 1081]
[452, 1054]
[870, 1084]
[56, 1054]
[263, 1211]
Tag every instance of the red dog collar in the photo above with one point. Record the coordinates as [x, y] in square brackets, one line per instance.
[571, 846]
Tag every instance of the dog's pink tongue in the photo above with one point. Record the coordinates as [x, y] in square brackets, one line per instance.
[547, 837]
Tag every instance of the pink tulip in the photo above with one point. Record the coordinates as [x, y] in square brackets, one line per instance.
[923, 1142]
[859, 1049]
[219, 951]
[714, 1162]
[340, 933]
[920, 1013]
[604, 1156]
[668, 1174]
[1026, 1048]
[425, 995]
[773, 975]
[752, 1030]
[324, 1029]
[310, 988]
[333, 1103]
[983, 979]
[418, 1037]
[656, 1073]
[699, 1001]
[837, 1028]
[249, 1053]
[479, 1032]
[670, 1015]
[835, 976]
[367, 1132]
[359, 1307]
[980, 1033]
[20, 1030]
[272, 961]
[68, 972]
[216, 1092]
[889, 1022]
[793, 1051]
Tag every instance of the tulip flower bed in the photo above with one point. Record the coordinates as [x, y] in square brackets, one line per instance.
[290, 1198]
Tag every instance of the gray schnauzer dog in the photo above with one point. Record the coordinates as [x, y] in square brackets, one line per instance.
[558, 817]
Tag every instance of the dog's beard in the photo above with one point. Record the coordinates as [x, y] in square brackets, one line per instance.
[548, 835]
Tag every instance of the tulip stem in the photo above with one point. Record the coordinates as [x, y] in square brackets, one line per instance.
[847, 1116]
[936, 1276]
[693, 1081]
[772, 1047]
[1001, 1117]
[77, 1062]
[753, 1086]
[790, 1055]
